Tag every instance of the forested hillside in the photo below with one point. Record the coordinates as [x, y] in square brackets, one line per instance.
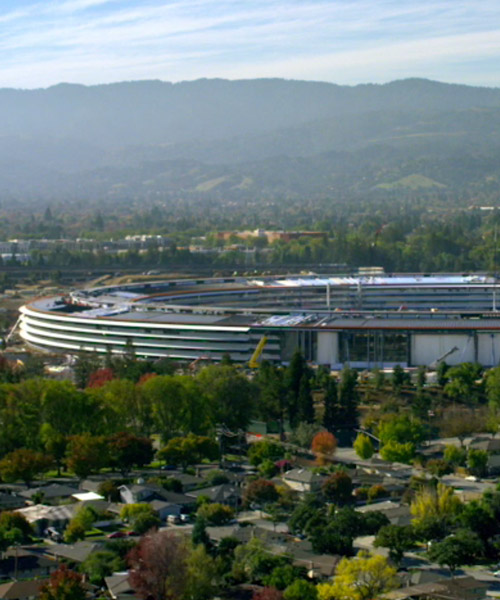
[235, 140]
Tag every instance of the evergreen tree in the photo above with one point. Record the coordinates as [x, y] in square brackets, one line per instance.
[293, 376]
[305, 405]
[86, 363]
[348, 397]
[330, 403]
[199, 534]
[273, 397]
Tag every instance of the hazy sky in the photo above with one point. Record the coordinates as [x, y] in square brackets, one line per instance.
[344, 41]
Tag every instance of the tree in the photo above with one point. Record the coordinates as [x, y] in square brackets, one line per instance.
[462, 548]
[264, 450]
[460, 423]
[462, 383]
[86, 363]
[267, 593]
[323, 445]
[63, 584]
[55, 444]
[23, 464]
[361, 578]
[230, 395]
[67, 410]
[199, 533]
[80, 524]
[300, 590]
[14, 527]
[477, 461]
[493, 387]
[402, 429]
[434, 507]
[86, 453]
[478, 517]
[101, 564]
[305, 405]
[363, 446]
[201, 574]
[441, 372]
[330, 404]
[100, 377]
[296, 371]
[348, 397]
[215, 513]
[399, 378]
[189, 450]
[253, 561]
[145, 522]
[158, 566]
[141, 516]
[455, 456]
[398, 539]
[127, 450]
[260, 491]
[283, 576]
[338, 488]
[272, 399]
[393, 451]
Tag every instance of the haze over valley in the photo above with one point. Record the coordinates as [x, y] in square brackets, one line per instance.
[150, 141]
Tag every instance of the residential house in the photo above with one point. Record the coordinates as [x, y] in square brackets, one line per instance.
[226, 493]
[457, 588]
[398, 514]
[41, 516]
[25, 563]
[492, 447]
[54, 493]
[119, 587]
[11, 501]
[303, 480]
[74, 554]
[165, 509]
[21, 590]
[132, 494]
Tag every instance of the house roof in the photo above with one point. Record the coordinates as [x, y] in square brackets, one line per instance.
[15, 590]
[42, 511]
[10, 500]
[85, 496]
[118, 584]
[163, 494]
[24, 562]
[302, 476]
[159, 504]
[53, 490]
[77, 552]
[458, 588]
[488, 444]
[217, 493]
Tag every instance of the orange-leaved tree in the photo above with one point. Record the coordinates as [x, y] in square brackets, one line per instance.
[324, 445]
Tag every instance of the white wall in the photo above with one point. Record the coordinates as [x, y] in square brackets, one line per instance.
[428, 347]
[488, 349]
[328, 348]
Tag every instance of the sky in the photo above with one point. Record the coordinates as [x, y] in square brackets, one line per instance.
[46, 42]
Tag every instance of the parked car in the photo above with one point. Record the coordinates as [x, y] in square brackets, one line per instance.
[53, 534]
[173, 519]
[116, 534]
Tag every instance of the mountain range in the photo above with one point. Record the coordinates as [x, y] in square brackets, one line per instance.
[262, 138]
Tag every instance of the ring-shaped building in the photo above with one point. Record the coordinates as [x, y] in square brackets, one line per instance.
[363, 321]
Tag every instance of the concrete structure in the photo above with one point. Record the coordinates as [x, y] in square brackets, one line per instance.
[365, 321]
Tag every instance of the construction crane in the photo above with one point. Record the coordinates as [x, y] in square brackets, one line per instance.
[253, 362]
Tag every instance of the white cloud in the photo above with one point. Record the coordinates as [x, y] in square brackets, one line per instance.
[336, 40]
